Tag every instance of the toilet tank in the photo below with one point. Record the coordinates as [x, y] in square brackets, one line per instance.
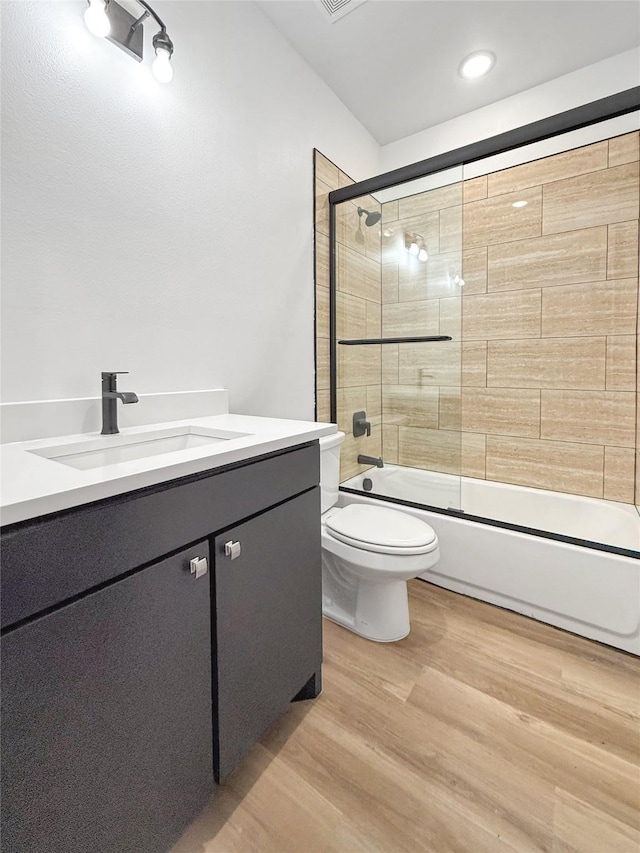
[330, 469]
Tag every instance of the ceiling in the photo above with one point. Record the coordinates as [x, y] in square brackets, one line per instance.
[394, 63]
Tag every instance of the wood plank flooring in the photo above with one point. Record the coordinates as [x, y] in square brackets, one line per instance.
[482, 731]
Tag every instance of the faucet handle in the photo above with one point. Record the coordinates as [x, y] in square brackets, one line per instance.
[360, 424]
[109, 380]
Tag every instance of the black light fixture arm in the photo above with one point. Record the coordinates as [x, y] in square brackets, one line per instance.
[160, 39]
[143, 17]
[150, 11]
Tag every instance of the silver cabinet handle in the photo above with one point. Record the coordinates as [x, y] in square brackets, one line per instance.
[232, 550]
[198, 566]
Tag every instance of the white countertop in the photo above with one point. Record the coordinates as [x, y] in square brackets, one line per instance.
[32, 485]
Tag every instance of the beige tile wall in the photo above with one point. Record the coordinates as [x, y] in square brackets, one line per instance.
[549, 338]
[326, 179]
[626, 375]
[358, 315]
[421, 400]
[565, 358]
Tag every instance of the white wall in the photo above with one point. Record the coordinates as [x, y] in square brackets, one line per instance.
[164, 230]
[572, 90]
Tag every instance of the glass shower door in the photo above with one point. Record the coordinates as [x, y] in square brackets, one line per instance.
[398, 286]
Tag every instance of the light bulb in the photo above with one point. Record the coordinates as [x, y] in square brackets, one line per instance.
[477, 65]
[414, 249]
[520, 204]
[162, 67]
[96, 19]
[422, 254]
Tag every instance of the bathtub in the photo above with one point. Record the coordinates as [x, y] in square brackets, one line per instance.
[591, 592]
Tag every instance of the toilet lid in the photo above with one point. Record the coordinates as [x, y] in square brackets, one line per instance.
[373, 528]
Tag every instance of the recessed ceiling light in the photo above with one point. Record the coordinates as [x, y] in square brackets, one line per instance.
[477, 64]
[520, 204]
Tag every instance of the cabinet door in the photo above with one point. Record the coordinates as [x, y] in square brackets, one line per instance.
[268, 604]
[106, 717]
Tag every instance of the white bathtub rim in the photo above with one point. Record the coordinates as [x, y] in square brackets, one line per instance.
[629, 512]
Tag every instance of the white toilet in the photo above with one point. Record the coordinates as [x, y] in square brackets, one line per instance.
[368, 555]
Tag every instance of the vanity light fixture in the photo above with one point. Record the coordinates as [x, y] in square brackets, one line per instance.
[520, 203]
[107, 19]
[415, 245]
[477, 64]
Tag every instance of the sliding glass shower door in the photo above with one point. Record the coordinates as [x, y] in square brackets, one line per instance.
[398, 284]
[484, 339]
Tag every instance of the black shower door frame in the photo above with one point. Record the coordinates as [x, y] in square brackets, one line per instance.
[603, 109]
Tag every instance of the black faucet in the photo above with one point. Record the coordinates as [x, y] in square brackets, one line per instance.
[110, 397]
[371, 460]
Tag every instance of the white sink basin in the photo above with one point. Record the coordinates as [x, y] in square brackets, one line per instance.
[114, 449]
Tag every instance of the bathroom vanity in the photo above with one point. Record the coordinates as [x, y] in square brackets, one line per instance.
[150, 637]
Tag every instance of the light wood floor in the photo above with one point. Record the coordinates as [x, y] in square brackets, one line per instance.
[482, 731]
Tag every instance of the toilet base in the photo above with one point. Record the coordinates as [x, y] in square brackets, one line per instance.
[378, 611]
[343, 624]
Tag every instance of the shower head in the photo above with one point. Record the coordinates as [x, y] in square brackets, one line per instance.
[371, 219]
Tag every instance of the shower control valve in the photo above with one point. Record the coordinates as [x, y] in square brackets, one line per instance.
[360, 424]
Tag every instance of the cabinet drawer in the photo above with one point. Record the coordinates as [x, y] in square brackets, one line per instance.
[47, 560]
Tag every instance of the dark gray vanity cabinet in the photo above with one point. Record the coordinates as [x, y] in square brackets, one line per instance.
[106, 716]
[128, 681]
[268, 624]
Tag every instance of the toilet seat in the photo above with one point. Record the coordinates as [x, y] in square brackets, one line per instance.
[381, 530]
